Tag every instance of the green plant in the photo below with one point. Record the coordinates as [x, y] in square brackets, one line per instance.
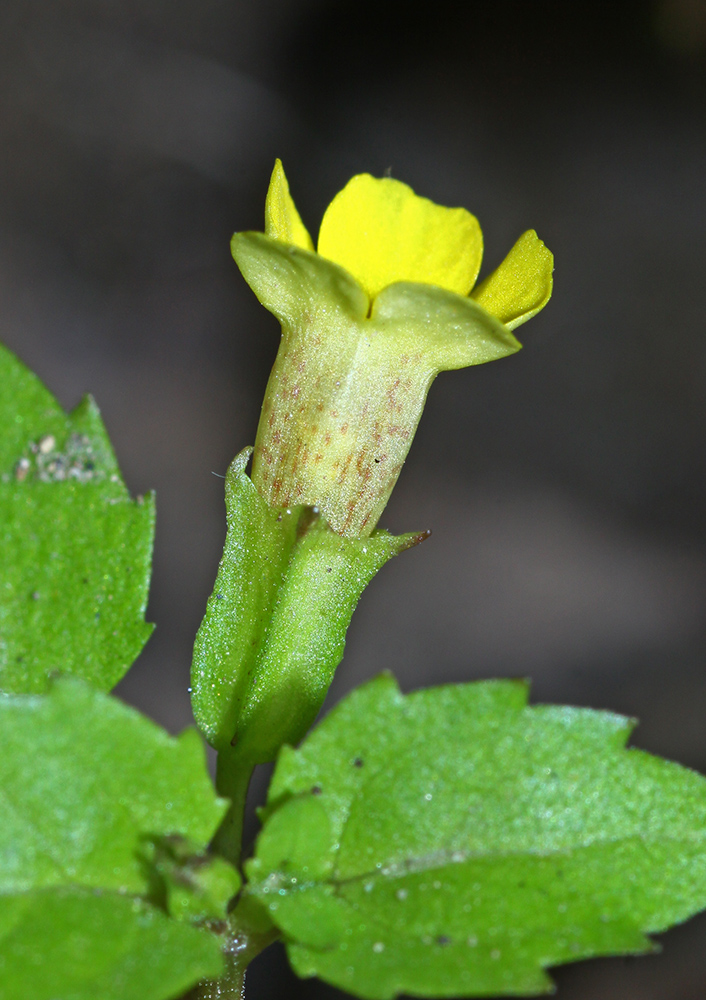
[450, 842]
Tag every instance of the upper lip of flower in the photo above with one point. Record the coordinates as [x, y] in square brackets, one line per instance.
[382, 233]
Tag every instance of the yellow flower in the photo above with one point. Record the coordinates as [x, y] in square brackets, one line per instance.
[368, 321]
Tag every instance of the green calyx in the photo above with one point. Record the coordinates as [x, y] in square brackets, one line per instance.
[275, 625]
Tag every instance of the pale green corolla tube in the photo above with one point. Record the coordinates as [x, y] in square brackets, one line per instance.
[368, 321]
[367, 324]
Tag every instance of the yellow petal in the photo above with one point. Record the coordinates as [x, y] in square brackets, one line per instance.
[282, 221]
[522, 285]
[382, 232]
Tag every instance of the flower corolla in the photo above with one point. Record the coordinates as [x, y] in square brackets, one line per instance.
[386, 301]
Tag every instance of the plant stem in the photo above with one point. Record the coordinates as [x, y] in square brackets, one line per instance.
[231, 985]
[246, 932]
[242, 942]
[232, 780]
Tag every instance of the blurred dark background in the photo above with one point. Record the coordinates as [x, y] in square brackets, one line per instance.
[566, 486]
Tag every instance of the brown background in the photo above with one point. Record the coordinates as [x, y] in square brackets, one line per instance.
[565, 486]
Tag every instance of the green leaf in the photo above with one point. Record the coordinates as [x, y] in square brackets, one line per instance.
[191, 884]
[455, 842]
[75, 549]
[82, 944]
[84, 780]
[275, 625]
